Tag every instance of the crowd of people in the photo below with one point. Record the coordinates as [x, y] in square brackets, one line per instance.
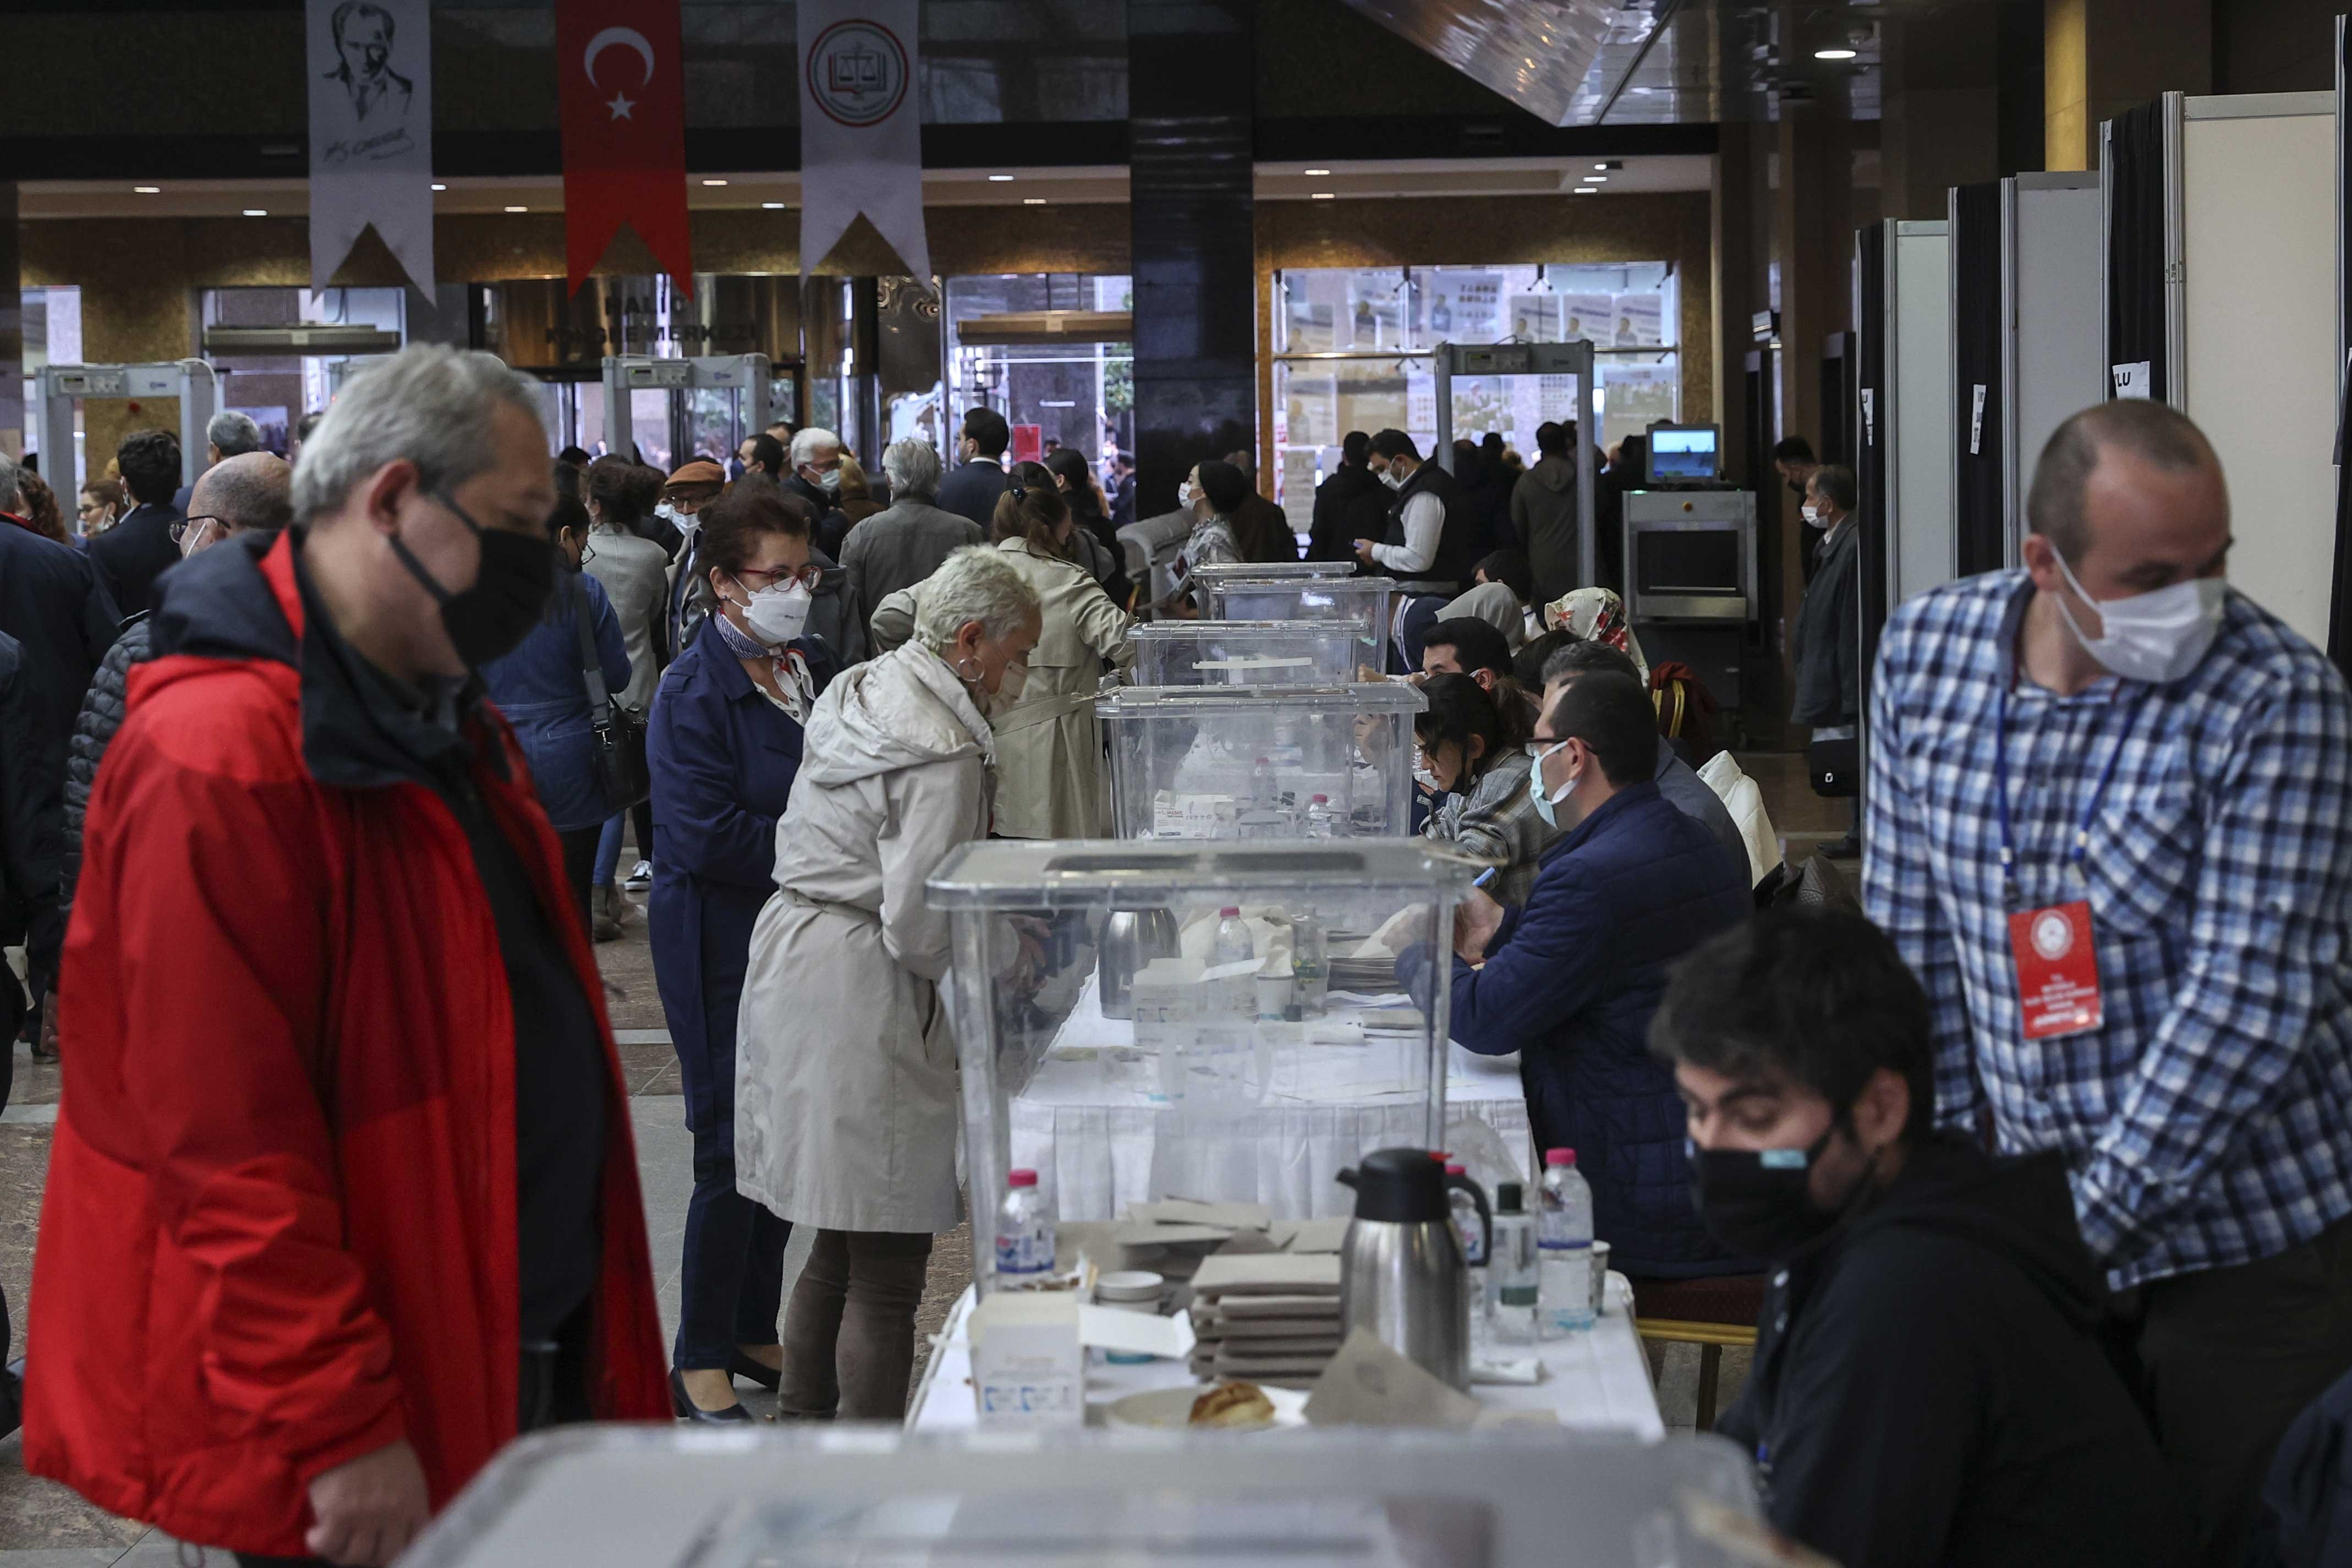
[2042, 1169]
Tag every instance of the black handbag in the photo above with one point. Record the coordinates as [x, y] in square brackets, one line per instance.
[619, 732]
[1836, 766]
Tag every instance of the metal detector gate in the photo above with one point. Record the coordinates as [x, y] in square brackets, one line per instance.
[746, 375]
[1501, 360]
[59, 386]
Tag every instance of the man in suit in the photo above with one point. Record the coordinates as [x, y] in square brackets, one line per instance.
[228, 434]
[130, 556]
[971, 488]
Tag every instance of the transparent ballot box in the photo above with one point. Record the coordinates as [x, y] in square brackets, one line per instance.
[1261, 596]
[1285, 571]
[1248, 761]
[1248, 652]
[1126, 1037]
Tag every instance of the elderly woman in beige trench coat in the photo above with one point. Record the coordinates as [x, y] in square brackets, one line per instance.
[845, 1107]
[1048, 746]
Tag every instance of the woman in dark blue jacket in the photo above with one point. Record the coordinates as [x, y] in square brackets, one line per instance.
[542, 689]
[725, 745]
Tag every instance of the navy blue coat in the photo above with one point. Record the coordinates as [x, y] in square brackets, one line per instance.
[1571, 983]
[723, 760]
[543, 692]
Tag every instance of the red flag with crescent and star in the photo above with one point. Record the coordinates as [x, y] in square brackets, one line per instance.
[623, 131]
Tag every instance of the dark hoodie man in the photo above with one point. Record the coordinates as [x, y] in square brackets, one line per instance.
[1544, 512]
[1929, 1384]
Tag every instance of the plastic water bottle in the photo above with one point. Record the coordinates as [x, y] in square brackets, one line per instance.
[1024, 1233]
[1512, 1276]
[1318, 817]
[1233, 943]
[1310, 963]
[1264, 793]
[1565, 1234]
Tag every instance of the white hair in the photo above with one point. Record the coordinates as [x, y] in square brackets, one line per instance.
[428, 403]
[975, 584]
[12, 493]
[913, 466]
[235, 434]
[811, 441]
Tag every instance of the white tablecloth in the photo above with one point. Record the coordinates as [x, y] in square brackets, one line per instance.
[1097, 1130]
[1596, 1379]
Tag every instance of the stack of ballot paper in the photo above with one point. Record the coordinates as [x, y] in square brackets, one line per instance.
[1269, 1317]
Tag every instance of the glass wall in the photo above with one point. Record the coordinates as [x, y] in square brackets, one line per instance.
[52, 336]
[1074, 387]
[1352, 352]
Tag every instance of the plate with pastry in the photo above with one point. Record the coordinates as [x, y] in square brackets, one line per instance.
[1229, 1406]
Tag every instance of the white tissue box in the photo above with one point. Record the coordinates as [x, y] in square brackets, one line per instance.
[1028, 1366]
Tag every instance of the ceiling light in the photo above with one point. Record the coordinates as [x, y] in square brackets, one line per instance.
[1834, 54]
[1602, 167]
[1033, 201]
[440, 187]
[1000, 179]
[148, 190]
[1315, 171]
[1596, 179]
[714, 182]
[518, 209]
[256, 212]
[1584, 191]
[772, 207]
[1321, 196]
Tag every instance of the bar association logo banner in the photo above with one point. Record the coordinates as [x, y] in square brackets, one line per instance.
[623, 95]
[370, 70]
[861, 128]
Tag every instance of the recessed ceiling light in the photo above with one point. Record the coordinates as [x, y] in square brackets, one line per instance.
[1321, 196]
[1033, 201]
[1602, 167]
[256, 212]
[714, 182]
[1596, 179]
[1584, 191]
[438, 186]
[1000, 179]
[148, 190]
[518, 209]
[1834, 54]
[1315, 171]
[773, 206]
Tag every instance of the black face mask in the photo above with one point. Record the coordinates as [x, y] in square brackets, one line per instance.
[510, 593]
[1759, 1202]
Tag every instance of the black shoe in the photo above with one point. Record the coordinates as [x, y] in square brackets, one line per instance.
[683, 1404]
[768, 1377]
[1846, 849]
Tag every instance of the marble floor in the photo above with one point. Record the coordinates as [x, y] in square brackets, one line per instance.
[43, 1525]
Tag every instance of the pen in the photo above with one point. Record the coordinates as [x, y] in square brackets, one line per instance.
[1484, 876]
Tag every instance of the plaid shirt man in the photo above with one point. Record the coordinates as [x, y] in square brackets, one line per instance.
[2208, 1121]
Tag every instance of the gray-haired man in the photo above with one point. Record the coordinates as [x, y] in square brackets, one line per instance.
[228, 433]
[904, 543]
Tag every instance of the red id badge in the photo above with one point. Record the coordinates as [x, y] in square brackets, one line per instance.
[2057, 970]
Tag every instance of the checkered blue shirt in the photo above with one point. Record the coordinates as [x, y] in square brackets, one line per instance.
[2208, 1121]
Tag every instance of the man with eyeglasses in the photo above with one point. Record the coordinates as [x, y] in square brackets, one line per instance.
[335, 1044]
[1570, 980]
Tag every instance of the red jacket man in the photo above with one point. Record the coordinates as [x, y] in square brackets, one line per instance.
[342, 1195]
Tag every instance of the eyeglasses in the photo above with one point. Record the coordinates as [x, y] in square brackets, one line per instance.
[181, 529]
[807, 576]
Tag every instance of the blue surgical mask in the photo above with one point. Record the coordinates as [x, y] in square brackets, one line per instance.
[1546, 801]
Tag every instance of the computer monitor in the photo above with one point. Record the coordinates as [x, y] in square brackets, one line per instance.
[1684, 454]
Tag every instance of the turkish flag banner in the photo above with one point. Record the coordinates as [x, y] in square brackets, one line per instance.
[623, 131]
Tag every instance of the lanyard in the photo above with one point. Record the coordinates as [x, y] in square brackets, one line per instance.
[2000, 790]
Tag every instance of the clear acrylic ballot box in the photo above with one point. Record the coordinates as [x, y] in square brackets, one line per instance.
[824, 1496]
[1248, 652]
[1259, 596]
[1122, 1035]
[1249, 761]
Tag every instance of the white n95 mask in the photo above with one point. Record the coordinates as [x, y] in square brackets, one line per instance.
[2156, 636]
[777, 613]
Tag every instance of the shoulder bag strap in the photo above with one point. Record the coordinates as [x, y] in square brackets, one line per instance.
[599, 699]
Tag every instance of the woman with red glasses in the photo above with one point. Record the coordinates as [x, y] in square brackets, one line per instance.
[724, 747]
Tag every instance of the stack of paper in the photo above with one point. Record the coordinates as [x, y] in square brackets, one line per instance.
[1269, 1317]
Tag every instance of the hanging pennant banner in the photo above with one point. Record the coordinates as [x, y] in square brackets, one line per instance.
[371, 69]
[623, 93]
[861, 128]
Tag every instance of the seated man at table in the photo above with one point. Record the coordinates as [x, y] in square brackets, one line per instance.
[1570, 980]
[1929, 1384]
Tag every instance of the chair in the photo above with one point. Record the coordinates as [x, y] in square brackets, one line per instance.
[1710, 1313]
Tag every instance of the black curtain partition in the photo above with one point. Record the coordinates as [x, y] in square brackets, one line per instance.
[2136, 244]
[1979, 494]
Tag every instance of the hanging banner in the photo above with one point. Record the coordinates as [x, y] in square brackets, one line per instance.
[624, 95]
[370, 70]
[861, 128]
